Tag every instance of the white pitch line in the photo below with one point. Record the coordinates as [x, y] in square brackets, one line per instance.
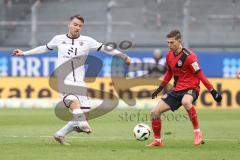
[223, 139]
[215, 139]
[71, 137]
[113, 138]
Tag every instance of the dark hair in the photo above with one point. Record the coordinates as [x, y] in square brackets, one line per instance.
[78, 17]
[174, 33]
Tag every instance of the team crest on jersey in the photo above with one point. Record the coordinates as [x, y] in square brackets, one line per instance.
[81, 43]
[63, 42]
[179, 63]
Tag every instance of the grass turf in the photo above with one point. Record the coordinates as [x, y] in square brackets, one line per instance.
[27, 134]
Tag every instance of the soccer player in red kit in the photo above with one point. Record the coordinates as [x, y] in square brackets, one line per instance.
[183, 65]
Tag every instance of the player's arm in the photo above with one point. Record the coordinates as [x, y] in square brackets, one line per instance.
[37, 50]
[114, 52]
[108, 49]
[199, 73]
[167, 77]
[216, 95]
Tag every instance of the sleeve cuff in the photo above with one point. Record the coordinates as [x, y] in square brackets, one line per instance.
[48, 47]
[99, 48]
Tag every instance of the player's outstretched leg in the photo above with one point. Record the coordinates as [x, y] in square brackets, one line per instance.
[187, 103]
[59, 136]
[196, 132]
[81, 122]
[78, 124]
[72, 102]
[157, 125]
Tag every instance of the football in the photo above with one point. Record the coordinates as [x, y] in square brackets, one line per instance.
[141, 132]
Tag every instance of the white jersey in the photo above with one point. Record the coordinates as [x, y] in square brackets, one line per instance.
[69, 49]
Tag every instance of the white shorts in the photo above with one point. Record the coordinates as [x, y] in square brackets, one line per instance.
[83, 98]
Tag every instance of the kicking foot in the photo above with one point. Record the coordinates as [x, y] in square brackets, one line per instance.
[82, 127]
[198, 138]
[156, 143]
[61, 140]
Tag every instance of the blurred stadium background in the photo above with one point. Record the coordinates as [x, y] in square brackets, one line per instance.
[210, 27]
[205, 24]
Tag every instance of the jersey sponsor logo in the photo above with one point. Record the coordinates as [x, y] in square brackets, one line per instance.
[72, 50]
[195, 66]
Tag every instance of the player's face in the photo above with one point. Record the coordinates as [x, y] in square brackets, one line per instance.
[173, 44]
[75, 27]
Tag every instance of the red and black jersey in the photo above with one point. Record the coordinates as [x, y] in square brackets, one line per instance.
[186, 71]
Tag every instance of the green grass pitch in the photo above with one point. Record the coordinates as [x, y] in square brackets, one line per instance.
[27, 134]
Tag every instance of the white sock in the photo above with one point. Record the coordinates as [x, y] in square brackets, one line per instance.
[80, 118]
[78, 115]
[66, 129]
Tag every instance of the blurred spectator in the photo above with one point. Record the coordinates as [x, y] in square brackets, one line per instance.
[159, 67]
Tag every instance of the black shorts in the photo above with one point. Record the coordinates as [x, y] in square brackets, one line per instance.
[174, 99]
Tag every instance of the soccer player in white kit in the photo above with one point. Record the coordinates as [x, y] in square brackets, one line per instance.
[72, 45]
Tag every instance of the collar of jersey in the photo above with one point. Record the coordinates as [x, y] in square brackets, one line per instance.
[71, 37]
[178, 53]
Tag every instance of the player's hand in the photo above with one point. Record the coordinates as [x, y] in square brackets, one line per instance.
[155, 93]
[17, 52]
[216, 95]
[128, 60]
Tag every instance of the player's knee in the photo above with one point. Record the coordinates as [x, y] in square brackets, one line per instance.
[71, 101]
[187, 103]
[75, 104]
[155, 113]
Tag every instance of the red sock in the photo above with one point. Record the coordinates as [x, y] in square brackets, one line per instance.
[193, 117]
[156, 126]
